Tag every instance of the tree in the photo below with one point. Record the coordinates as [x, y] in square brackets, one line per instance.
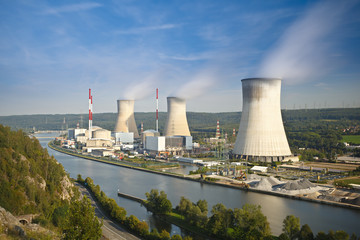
[176, 237]
[82, 222]
[291, 226]
[250, 221]
[203, 205]
[341, 235]
[158, 203]
[306, 233]
[164, 235]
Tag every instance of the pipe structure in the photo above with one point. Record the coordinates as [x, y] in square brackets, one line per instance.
[261, 135]
[176, 122]
[125, 119]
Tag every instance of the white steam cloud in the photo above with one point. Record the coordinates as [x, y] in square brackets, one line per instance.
[197, 85]
[304, 50]
[141, 89]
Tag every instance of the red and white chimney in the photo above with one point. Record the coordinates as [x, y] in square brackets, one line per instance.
[90, 113]
[217, 129]
[157, 109]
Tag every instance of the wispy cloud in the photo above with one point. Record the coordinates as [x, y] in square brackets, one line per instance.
[304, 48]
[142, 30]
[191, 57]
[71, 8]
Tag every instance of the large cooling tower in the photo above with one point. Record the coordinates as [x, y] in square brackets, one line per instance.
[125, 120]
[176, 123]
[261, 135]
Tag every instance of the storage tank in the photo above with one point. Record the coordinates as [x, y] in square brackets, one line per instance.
[176, 122]
[261, 135]
[101, 134]
[125, 119]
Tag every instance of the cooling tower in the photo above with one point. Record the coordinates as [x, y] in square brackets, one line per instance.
[125, 120]
[261, 135]
[176, 122]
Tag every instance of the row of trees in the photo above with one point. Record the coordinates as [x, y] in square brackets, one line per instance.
[247, 222]
[118, 214]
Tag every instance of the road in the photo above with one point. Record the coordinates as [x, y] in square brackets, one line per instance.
[110, 230]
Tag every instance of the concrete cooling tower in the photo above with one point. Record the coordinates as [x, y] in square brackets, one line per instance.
[176, 123]
[125, 119]
[261, 135]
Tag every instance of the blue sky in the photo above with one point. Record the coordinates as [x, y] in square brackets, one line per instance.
[52, 52]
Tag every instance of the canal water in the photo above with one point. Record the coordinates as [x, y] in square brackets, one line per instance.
[113, 178]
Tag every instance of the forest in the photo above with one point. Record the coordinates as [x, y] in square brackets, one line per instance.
[32, 182]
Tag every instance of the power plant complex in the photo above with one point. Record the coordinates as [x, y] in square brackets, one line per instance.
[261, 136]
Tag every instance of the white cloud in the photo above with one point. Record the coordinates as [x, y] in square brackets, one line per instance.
[142, 30]
[71, 8]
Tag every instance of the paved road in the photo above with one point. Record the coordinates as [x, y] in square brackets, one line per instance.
[109, 229]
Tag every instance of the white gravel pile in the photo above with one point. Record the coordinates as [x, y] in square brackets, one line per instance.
[267, 183]
[298, 185]
[264, 184]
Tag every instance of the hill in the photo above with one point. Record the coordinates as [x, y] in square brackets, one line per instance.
[32, 182]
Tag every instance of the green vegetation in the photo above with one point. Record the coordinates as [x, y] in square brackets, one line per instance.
[32, 182]
[157, 202]
[291, 230]
[351, 181]
[81, 223]
[352, 139]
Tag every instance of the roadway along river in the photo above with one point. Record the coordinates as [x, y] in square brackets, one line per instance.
[113, 178]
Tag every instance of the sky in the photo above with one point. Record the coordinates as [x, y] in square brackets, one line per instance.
[52, 52]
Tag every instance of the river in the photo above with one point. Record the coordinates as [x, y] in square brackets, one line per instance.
[113, 178]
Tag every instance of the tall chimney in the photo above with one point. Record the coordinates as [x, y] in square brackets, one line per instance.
[157, 110]
[125, 119]
[261, 135]
[90, 113]
[217, 135]
[176, 122]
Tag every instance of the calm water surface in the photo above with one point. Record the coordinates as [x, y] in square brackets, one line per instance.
[113, 178]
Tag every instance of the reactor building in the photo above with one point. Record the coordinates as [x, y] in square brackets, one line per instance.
[261, 135]
[125, 119]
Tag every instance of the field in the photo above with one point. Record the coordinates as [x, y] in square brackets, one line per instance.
[352, 180]
[338, 166]
[355, 139]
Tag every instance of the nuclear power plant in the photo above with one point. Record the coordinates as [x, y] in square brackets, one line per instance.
[261, 135]
[176, 123]
[125, 119]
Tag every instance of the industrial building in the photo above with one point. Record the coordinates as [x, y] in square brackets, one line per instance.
[148, 133]
[124, 140]
[261, 135]
[74, 132]
[125, 121]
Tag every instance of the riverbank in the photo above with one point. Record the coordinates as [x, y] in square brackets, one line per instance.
[174, 175]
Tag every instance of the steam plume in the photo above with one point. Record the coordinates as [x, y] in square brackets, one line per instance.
[304, 49]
